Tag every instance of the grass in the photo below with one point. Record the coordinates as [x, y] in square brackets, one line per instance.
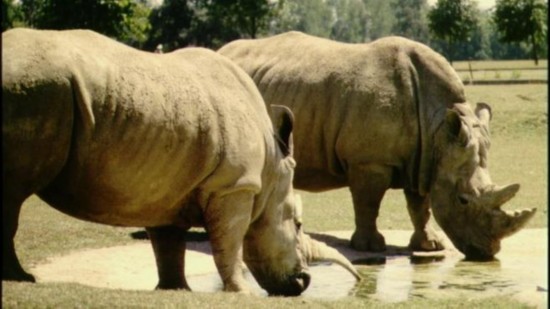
[519, 154]
[63, 295]
[502, 70]
[500, 65]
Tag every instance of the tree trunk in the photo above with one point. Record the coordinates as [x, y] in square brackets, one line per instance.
[535, 47]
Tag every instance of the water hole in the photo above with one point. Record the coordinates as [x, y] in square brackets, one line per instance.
[520, 270]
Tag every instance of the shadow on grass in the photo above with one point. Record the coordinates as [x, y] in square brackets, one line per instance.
[201, 244]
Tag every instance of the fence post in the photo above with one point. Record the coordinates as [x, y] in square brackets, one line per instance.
[471, 72]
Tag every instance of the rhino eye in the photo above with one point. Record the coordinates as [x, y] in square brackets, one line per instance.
[463, 200]
[298, 224]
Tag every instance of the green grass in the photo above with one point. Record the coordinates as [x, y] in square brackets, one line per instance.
[518, 154]
[499, 65]
[501, 70]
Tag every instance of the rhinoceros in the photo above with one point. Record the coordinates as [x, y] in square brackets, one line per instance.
[387, 114]
[106, 133]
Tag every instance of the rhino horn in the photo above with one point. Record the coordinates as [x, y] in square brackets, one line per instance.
[500, 195]
[513, 221]
[319, 252]
[507, 222]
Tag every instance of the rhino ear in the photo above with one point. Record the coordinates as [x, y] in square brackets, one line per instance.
[458, 130]
[283, 123]
[484, 113]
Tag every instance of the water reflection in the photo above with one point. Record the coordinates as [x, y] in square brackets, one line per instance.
[401, 279]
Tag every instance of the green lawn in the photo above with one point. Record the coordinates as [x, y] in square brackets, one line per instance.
[518, 154]
[501, 65]
[501, 70]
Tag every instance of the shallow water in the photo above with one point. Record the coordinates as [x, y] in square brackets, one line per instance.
[520, 270]
[400, 279]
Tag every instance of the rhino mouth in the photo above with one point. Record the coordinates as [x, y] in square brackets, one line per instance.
[475, 254]
[477, 224]
[291, 285]
[294, 285]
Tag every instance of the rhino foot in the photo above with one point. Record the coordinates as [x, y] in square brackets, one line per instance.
[425, 241]
[373, 242]
[240, 288]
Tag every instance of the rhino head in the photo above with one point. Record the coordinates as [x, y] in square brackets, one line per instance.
[464, 200]
[276, 250]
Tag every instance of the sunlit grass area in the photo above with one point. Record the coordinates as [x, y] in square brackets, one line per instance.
[500, 64]
[502, 71]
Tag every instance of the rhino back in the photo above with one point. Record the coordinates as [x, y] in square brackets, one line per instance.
[354, 103]
[149, 131]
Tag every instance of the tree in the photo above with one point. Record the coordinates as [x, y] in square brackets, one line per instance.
[410, 18]
[380, 19]
[453, 21]
[209, 23]
[351, 21]
[11, 14]
[170, 25]
[309, 16]
[247, 17]
[114, 18]
[522, 21]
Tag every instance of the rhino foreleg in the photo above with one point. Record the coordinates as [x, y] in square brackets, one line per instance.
[227, 221]
[424, 237]
[11, 268]
[169, 247]
[368, 183]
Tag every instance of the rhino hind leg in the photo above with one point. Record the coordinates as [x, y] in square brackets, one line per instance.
[368, 183]
[169, 248]
[11, 268]
[424, 237]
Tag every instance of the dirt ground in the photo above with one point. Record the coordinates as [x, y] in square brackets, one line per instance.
[521, 269]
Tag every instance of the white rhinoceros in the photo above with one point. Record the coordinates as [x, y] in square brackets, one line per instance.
[110, 134]
[388, 114]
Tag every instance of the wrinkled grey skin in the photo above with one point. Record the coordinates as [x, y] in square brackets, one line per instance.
[388, 114]
[109, 134]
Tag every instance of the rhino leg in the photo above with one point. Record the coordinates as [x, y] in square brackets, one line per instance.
[424, 237]
[169, 247]
[11, 268]
[227, 220]
[368, 183]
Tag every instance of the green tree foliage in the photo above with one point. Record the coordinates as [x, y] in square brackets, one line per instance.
[453, 21]
[247, 17]
[212, 23]
[310, 16]
[411, 19]
[351, 21]
[125, 20]
[11, 15]
[340, 20]
[170, 25]
[523, 21]
[380, 19]
[208, 23]
[136, 25]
